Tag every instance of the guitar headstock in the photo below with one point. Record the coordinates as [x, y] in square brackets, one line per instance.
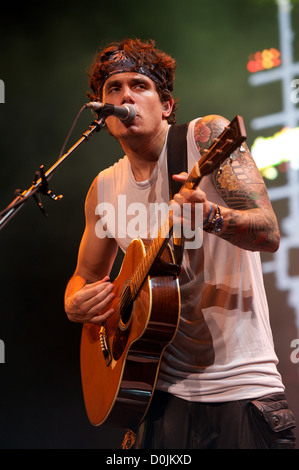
[229, 140]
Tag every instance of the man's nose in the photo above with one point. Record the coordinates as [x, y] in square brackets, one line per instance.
[127, 96]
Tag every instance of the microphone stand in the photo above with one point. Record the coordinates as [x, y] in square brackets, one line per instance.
[41, 178]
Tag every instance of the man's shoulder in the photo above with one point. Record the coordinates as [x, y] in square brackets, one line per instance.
[207, 128]
[212, 119]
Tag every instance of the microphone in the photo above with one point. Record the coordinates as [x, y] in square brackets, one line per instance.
[126, 113]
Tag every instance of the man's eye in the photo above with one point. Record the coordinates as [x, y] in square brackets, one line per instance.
[112, 89]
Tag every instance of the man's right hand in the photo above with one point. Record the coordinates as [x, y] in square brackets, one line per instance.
[89, 304]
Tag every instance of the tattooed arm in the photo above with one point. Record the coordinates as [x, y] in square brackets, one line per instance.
[249, 220]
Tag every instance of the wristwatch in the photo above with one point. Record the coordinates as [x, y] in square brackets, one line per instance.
[216, 224]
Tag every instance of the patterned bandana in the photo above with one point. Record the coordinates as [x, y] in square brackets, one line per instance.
[120, 63]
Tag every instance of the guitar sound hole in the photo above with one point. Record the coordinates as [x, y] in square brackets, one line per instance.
[126, 305]
[122, 333]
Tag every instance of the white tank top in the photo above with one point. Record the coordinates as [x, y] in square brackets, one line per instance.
[223, 349]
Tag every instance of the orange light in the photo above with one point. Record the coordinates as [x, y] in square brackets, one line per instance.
[252, 66]
[263, 60]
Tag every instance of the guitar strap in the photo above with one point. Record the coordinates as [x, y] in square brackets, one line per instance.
[177, 162]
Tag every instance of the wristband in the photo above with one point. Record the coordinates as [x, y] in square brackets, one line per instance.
[208, 218]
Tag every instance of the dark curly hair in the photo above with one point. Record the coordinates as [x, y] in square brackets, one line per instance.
[142, 57]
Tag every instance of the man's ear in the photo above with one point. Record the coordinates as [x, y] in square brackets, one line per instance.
[167, 107]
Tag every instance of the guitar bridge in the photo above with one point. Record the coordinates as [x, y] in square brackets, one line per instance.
[104, 345]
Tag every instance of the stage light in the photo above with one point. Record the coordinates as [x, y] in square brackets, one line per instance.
[263, 60]
[270, 152]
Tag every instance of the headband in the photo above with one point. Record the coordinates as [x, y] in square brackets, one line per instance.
[118, 62]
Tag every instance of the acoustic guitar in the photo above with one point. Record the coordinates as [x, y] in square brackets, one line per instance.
[120, 358]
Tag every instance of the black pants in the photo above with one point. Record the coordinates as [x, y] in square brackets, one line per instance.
[172, 423]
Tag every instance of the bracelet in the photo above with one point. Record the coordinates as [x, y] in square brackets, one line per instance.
[208, 218]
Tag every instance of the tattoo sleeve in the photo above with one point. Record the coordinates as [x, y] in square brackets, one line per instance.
[249, 220]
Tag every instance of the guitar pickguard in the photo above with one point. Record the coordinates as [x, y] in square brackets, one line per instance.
[119, 342]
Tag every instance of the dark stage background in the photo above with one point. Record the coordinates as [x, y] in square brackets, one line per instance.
[45, 51]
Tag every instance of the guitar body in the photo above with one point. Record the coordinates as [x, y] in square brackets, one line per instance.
[120, 359]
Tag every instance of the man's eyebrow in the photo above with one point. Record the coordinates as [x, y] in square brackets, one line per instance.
[112, 83]
[132, 81]
[141, 79]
